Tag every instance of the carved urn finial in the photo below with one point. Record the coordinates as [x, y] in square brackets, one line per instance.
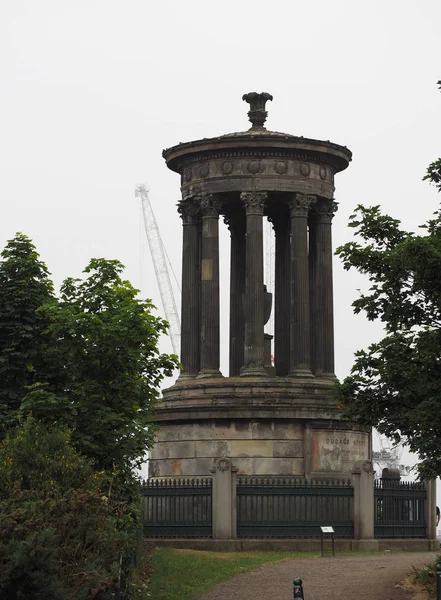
[257, 113]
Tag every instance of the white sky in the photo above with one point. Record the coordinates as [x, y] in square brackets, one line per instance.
[91, 91]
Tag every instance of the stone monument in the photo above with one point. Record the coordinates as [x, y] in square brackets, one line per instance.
[267, 421]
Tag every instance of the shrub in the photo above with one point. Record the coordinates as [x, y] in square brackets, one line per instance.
[60, 537]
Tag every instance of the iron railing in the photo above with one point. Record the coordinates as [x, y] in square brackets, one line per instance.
[292, 508]
[177, 508]
[399, 509]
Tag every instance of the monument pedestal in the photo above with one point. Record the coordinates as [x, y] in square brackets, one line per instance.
[273, 426]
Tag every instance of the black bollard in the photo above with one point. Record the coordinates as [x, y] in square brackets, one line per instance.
[298, 589]
[438, 582]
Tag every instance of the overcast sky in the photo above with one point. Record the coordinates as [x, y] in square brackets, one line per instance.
[91, 91]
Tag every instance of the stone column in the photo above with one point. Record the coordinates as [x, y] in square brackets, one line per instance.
[322, 307]
[281, 225]
[210, 351]
[300, 344]
[236, 224]
[254, 203]
[190, 298]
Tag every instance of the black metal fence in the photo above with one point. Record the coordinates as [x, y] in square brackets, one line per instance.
[293, 508]
[399, 509]
[177, 508]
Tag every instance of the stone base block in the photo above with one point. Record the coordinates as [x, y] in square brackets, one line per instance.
[366, 545]
[296, 545]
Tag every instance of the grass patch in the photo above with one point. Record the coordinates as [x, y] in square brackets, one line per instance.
[426, 577]
[185, 574]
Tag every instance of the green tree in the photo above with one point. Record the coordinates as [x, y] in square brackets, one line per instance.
[24, 356]
[395, 384]
[106, 340]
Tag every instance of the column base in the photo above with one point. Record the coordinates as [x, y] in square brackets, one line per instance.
[253, 371]
[300, 373]
[209, 374]
[331, 376]
[183, 376]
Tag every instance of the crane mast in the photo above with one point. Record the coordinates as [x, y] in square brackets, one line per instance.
[158, 254]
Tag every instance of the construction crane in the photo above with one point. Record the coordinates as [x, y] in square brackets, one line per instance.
[389, 455]
[159, 258]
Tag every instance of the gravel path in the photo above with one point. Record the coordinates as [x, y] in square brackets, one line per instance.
[367, 577]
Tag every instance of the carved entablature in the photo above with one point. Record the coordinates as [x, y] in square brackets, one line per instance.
[278, 170]
[325, 210]
[209, 204]
[254, 202]
[189, 211]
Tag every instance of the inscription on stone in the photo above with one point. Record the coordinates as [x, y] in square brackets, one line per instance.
[338, 450]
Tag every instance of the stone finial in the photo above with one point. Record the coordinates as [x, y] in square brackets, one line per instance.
[257, 113]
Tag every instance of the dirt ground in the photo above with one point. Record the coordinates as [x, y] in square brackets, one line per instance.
[366, 577]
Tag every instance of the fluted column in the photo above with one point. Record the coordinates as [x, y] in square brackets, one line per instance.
[322, 306]
[236, 224]
[210, 321]
[300, 345]
[281, 225]
[190, 296]
[254, 203]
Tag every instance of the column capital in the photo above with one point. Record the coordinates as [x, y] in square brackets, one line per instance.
[209, 204]
[189, 212]
[300, 204]
[325, 210]
[254, 202]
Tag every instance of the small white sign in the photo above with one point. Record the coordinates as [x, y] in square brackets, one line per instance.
[327, 529]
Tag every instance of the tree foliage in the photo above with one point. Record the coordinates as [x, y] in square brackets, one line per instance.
[395, 384]
[88, 358]
[24, 357]
[59, 534]
[106, 343]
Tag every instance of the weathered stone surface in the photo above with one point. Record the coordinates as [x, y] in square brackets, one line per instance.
[212, 449]
[262, 430]
[288, 449]
[251, 448]
[277, 466]
[174, 450]
[190, 431]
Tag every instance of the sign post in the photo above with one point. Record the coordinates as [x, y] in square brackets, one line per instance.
[326, 530]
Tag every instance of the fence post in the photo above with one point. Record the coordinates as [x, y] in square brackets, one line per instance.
[224, 499]
[438, 582]
[363, 481]
[356, 505]
[430, 514]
